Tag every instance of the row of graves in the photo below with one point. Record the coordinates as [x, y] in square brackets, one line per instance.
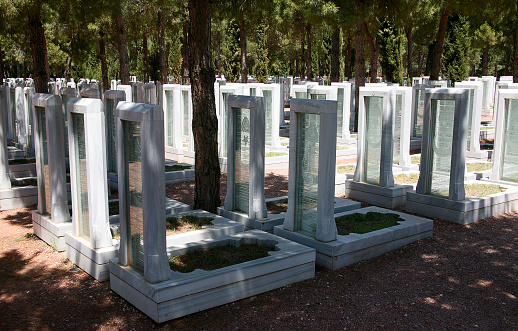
[136, 250]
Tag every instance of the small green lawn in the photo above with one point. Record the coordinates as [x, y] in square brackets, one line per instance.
[273, 154]
[364, 223]
[346, 169]
[415, 159]
[406, 178]
[185, 223]
[176, 167]
[485, 128]
[341, 148]
[478, 166]
[481, 190]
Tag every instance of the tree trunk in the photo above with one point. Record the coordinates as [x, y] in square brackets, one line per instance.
[122, 47]
[375, 51]
[102, 57]
[242, 45]
[39, 52]
[410, 46]
[303, 56]
[145, 58]
[437, 50]
[185, 52]
[335, 56]
[309, 69]
[69, 57]
[359, 64]
[515, 66]
[485, 60]
[348, 70]
[297, 65]
[161, 45]
[204, 122]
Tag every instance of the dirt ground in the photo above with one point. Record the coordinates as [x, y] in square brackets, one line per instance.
[463, 278]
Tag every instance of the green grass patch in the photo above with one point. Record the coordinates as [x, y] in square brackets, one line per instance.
[285, 144]
[176, 167]
[277, 207]
[218, 257]
[478, 166]
[273, 154]
[185, 223]
[415, 159]
[341, 148]
[481, 190]
[364, 223]
[354, 135]
[406, 179]
[21, 161]
[346, 169]
[485, 128]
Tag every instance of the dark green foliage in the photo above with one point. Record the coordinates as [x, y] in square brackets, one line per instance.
[176, 167]
[391, 52]
[363, 223]
[192, 222]
[261, 66]
[230, 52]
[455, 59]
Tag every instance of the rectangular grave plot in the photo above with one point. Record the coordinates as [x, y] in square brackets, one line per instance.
[509, 168]
[242, 159]
[306, 189]
[442, 115]
[44, 161]
[397, 128]
[373, 134]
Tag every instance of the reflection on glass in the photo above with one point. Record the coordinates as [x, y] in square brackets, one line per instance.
[78, 128]
[253, 92]
[64, 98]
[340, 113]
[268, 100]
[443, 112]
[471, 109]
[185, 98]
[241, 159]
[147, 95]
[372, 142]
[397, 127]
[134, 92]
[509, 168]
[301, 95]
[306, 187]
[134, 208]
[13, 115]
[485, 84]
[44, 161]
[318, 96]
[110, 124]
[169, 118]
[224, 132]
[419, 113]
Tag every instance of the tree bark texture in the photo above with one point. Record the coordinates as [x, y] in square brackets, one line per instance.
[359, 68]
[375, 51]
[348, 68]
[409, 69]
[185, 52]
[145, 58]
[68, 65]
[102, 58]
[122, 48]
[335, 56]
[515, 66]
[242, 45]
[437, 50]
[39, 52]
[485, 60]
[161, 45]
[309, 69]
[204, 122]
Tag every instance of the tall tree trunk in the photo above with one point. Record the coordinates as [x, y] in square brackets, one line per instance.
[410, 48]
[102, 57]
[122, 46]
[204, 122]
[39, 52]
[359, 63]
[348, 70]
[297, 65]
[515, 66]
[69, 57]
[185, 52]
[335, 56]
[309, 68]
[485, 60]
[437, 50]
[375, 51]
[242, 45]
[161, 44]
[145, 58]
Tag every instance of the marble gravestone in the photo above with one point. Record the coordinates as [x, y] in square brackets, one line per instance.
[149, 93]
[344, 112]
[474, 118]
[172, 122]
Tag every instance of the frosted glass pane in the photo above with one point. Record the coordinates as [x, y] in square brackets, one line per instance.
[372, 143]
[470, 114]
[397, 128]
[241, 159]
[40, 113]
[134, 93]
[135, 215]
[112, 131]
[64, 99]
[13, 117]
[443, 112]
[253, 91]
[268, 100]
[318, 96]
[223, 134]
[147, 95]
[419, 113]
[485, 84]
[28, 115]
[301, 95]
[306, 183]
[509, 168]
[169, 118]
[340, 113]
[78, 128]
[185, 99]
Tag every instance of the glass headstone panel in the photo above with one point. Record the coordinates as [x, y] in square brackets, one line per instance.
[419, 113]
[471, 109]
[64, 99]
[509, 168]
[135, 215]
[372, 141]
[225, 124]
[318, 96]
[112, 131]
[443, 112]
[134, 93]
[301, 95]
[13, 116]
[78, 122]
[485, 83]
[241, 159]
[185, 96]
[340, 113]
[147, 95]
[253, 92]
[397, 127]
[306, 189]
[169, 117]
[268, 100]
[44, 159]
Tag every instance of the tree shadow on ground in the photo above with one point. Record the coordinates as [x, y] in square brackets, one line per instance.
[22, 217]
